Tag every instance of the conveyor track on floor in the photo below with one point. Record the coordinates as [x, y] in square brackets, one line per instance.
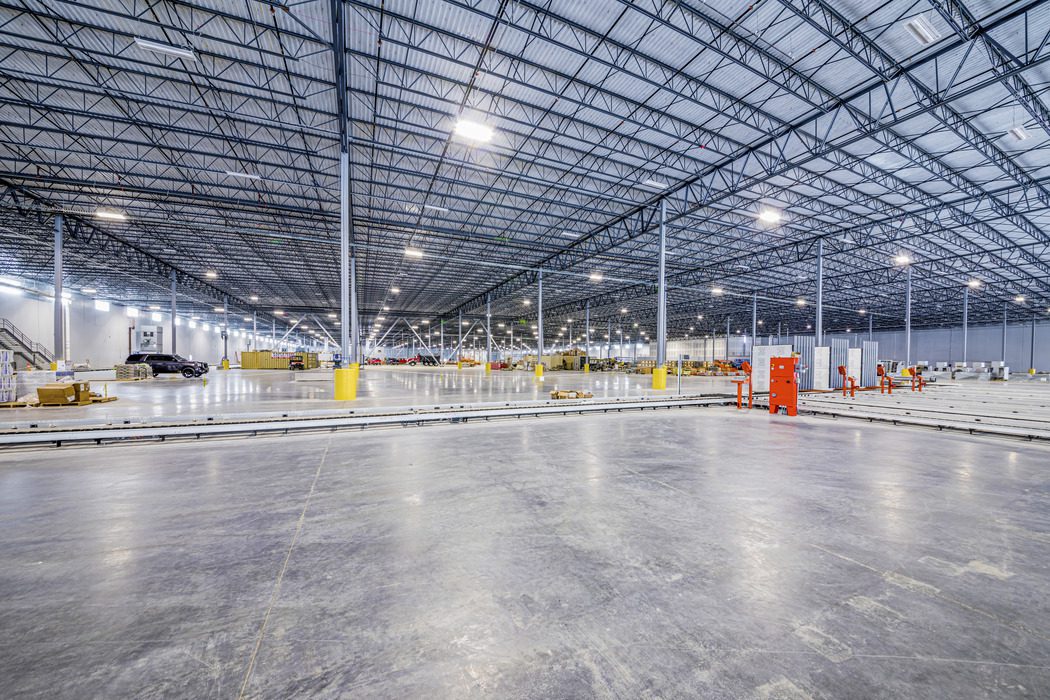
[282, 423]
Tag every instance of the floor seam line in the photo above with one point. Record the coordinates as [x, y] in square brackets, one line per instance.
[280, 574]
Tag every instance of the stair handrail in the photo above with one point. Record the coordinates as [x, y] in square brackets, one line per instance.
[25, 340]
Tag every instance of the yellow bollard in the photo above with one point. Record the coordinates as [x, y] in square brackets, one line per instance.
[225, 363]
[586, 367]
[346, 382]
[659, 377]
[488, 368]
[539, 371]
[459, 364]
[54, 366]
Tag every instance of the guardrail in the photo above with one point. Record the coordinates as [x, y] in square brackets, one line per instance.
[28, 344]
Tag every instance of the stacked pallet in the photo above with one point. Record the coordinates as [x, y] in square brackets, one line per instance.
[7, 376]
[137, 371]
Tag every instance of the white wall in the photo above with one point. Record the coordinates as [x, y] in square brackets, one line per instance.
[984, 344]
[100, 338]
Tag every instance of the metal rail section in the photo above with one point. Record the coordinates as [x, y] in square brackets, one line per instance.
[265, 424]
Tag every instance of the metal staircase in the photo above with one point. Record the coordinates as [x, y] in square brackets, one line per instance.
[25, 349]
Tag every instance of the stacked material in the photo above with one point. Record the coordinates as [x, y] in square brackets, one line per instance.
[7, 376]
[137, 371]
[571, 394]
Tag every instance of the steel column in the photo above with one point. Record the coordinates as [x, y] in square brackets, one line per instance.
[587, 334]
[754, 322]
[60, 340]
[907, 321]
[255, 330]
[225, 328]
[355, 324]
[539, 317]
[727, 339]
[1006, 309]
[966, 322]
[819, 323]
[174, 309]
[460, 346]
[344, 256]
[661, 309]
[1031, 348]
[488, 329]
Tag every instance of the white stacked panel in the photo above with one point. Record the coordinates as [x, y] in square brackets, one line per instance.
[7, 376]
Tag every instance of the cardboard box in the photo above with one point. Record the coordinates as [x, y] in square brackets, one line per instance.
[56, 393]
[64, 393]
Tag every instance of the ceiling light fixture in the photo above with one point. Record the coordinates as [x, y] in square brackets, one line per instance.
[922, 30]
[973, 284]
[473, 131]
[1019, 133]
[770, 216]
[395, 290]
[246, 176]
[413, 253]
[110, 215]
[656, 184]
[596, 277]
[902, 259]
[431, 207]
[166, 49]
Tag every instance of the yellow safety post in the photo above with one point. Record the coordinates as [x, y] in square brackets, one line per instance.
[659, 377]
[459, 363]
[586, 367]
[225, 363]
[346, 382]
[488, 368]
[539, 371]
[54, 366]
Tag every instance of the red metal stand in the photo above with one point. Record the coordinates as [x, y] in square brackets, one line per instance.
[740, 388]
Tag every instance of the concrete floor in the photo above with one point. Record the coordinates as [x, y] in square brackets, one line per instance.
[276, 391]
[689, 553]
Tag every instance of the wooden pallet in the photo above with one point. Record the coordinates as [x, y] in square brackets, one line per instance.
[13, 404]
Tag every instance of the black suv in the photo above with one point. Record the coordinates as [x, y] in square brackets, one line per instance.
[168, 364]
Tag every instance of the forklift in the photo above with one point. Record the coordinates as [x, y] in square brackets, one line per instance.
[297, 361]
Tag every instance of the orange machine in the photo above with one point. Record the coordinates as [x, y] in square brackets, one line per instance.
[746, 366]
[783, 385]
[885, 380]
[917, 382]
[849, 382]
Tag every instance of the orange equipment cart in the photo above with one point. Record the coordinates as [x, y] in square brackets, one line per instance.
[783, 385]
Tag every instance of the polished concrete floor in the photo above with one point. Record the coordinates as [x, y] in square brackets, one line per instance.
[689, 553]
[275, 391]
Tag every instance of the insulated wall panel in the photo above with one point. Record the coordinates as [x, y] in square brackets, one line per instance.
[821, 367]
[839, 358]
[853, 363]
[804, 347]
[869, 356]
[760, 364]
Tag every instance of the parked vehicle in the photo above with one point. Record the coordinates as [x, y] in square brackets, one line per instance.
[412, 361]
[374, 361]
[168, 364]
